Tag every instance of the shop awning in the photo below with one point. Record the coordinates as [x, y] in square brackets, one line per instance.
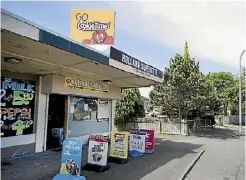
[42, 53]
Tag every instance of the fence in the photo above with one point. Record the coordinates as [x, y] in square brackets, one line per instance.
[144, 123]
[168, 126]
[174, 127]
[233, 119]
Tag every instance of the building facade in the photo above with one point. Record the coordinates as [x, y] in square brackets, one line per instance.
[52, 86]
[147, 104]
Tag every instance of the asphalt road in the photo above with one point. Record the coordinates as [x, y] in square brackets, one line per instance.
[224, 158]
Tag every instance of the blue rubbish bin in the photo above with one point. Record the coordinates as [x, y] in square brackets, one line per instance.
[58, 133]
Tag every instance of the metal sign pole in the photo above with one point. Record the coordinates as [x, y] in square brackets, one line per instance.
[240, 93]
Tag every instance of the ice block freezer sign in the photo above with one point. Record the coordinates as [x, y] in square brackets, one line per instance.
[71, 157]
[137, 143]
[149, 140]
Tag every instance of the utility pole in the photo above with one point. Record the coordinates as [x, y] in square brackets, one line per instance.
[240, 93]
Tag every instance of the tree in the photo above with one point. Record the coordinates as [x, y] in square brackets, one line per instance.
[223, 83]
[211, 102]
[131, 106]
[235, 95]
[179, 94]
[186, 51]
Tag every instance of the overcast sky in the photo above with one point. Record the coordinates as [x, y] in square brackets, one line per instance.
[215, 30]
[154, 32]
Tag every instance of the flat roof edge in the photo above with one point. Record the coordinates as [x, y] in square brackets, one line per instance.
[59, 41]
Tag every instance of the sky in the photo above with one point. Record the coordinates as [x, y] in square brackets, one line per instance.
[154, 31]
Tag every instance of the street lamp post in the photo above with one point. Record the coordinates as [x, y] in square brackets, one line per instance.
[240, 93]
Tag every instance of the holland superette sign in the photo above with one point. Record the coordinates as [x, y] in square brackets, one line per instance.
[133, 62]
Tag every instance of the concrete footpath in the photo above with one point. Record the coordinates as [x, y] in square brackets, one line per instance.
[168, 161]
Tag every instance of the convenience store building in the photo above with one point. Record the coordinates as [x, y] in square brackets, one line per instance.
[49, 81]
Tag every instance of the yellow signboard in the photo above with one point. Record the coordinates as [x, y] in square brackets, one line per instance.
[92, 26]
[119, 144]
[82, 84]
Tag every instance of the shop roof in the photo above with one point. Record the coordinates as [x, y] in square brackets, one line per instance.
[46, 52]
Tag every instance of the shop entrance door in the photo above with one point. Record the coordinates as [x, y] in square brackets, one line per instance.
[56, 119]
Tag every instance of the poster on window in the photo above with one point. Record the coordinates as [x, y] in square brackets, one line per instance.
[149, 140]
[98, 150]
[137, 142]
[103, 110]
[17, 106]
[119, 144]
[71, 159]
[84, 108]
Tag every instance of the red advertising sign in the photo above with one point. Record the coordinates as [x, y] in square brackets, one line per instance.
[149, 140]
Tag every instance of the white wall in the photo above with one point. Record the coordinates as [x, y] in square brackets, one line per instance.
[17, 140]
[42, 100]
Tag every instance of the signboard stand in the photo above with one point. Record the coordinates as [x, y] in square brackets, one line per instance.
[137, 143]
[149, 140]
[119, 147]
[118, 160]
[97, 154]
[71, 161]
[95, 168]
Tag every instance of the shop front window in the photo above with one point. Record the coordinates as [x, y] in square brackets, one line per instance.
[86, 116]
[84, 109]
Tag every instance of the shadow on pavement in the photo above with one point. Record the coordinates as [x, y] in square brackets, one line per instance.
[165, 151]
[44, 166]
[219, 133]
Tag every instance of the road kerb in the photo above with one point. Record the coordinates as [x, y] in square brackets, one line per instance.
[191, 165]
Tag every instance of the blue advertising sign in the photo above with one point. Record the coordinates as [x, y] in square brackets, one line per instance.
[71, 159]
[137, 143]
[68, 177]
